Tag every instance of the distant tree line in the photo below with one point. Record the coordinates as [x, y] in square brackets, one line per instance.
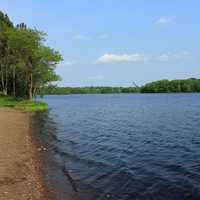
[166, 86]
[87, 90]
[26, 64]
[162, 86]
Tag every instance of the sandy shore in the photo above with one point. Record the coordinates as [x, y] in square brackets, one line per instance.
[19, 177]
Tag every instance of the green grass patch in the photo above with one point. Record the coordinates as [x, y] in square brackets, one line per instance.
[24, 105]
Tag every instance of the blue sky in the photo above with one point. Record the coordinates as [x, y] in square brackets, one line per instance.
[115, 42]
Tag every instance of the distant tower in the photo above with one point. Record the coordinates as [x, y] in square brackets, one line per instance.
[135, 85]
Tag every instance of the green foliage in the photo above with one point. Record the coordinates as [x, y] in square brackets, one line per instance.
[4, 20]
[163, 86]
[31, 106]
[26, 64]
[87, 90]
[23, 105]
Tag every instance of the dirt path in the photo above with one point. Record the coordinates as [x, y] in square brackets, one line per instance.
[19, 179]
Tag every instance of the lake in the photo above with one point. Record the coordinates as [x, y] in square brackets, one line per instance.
[123, 146]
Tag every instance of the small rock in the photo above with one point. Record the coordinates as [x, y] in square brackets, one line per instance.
[39, 149]
[44, 149]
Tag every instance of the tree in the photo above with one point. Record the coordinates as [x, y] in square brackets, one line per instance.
[26, 64]
[5, 24]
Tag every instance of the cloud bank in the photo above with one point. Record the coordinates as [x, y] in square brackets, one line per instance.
[123, 58]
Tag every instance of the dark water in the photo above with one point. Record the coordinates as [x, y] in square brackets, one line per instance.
[125, 147]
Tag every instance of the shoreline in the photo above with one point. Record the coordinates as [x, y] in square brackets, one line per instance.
[20, 161]
[55, 173]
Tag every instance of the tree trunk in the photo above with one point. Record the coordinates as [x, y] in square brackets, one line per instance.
[4, 88]
[30, 89]
[2, 80]
[6, 82]
[14, 83]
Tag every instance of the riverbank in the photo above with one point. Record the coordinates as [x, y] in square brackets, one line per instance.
[19, 163]
[23, 105]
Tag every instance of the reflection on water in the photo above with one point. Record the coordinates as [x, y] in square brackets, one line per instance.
[137, 146]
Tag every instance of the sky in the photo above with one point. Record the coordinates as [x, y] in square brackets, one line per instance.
[115, 42]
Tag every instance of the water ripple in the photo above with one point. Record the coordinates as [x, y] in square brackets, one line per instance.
[127, 147]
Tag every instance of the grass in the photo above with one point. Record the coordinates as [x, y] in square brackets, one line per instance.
[23, 105]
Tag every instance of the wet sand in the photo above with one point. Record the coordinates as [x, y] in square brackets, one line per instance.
[19, 173]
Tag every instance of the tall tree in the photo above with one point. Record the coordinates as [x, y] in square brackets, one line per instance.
[26, 64]
[5, 24]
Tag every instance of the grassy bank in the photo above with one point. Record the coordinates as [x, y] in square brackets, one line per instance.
[24, 105]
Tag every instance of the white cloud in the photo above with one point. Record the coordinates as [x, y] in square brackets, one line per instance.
[163, 57]
[81, 37]
[173, 56]
[96, 77]
[123, 58]
[164, 20]
[112, 58]
[182, 54]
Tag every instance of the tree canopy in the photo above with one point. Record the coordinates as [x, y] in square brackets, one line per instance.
[26, 63]
[166, 86]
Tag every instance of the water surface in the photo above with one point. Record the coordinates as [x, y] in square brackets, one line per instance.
[126, 146]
